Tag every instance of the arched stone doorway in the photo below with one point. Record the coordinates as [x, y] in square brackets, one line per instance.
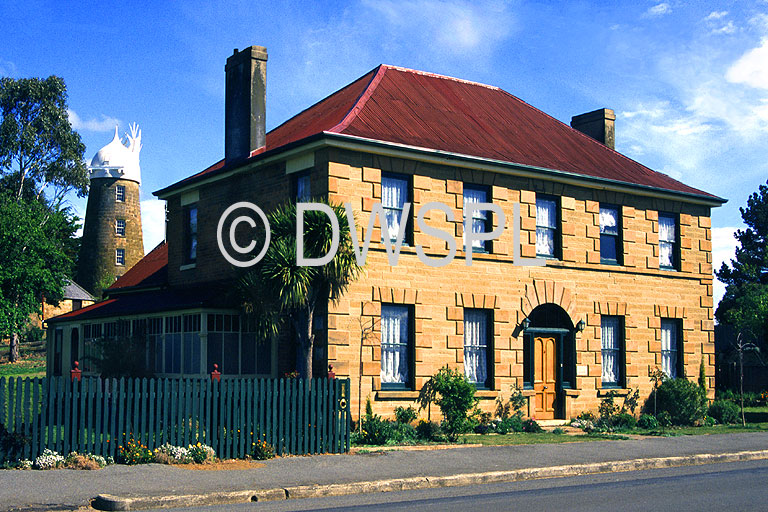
[549, 360]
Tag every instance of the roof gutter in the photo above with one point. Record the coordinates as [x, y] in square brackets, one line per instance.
[436, 156]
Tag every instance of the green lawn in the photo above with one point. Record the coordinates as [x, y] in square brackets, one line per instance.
[30, 366]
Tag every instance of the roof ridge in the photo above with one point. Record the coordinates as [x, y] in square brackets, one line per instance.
[360, 102]
[582, 134]
[438, 75]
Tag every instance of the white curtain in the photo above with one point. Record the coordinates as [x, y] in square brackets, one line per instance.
[666, 241]
[394, 194]
[669, 348]
[546, 224]
[611, 346]
[476, 346]
[609, 221]
[394, 344]
[479, 217]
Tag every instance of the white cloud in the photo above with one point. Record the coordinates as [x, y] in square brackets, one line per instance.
[751, 68]
[8, 68]
[104, 124]
[658, 10]
[716, 15]
[723, 250]
[458, 28]
[728, 28]
[152, 222]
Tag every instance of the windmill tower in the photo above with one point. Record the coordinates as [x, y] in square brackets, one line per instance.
[112, 238]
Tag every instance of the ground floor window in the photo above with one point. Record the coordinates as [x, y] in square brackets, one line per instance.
[395, 345]
[477, 336]
[611, 341]
[670, 347]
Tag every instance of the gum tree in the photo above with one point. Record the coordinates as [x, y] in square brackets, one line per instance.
[41, 160]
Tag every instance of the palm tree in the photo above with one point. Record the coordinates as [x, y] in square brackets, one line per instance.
[276, 291]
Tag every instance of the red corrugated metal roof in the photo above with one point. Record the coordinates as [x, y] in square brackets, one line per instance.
[425, 110]
[149, 271]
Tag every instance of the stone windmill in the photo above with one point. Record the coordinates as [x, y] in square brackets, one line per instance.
[112, 238]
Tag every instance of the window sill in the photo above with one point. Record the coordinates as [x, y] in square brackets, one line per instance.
[617, 391]
[188, 266]
[668, 269]
[486, 394]
[613, 263]
[391, 394]
[571, 392]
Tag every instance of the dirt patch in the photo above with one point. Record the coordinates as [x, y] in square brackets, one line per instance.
[223, 465]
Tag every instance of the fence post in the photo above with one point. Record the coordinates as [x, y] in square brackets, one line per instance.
[75, 373]
[216, 374]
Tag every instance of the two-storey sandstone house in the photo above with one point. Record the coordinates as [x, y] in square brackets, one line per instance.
[623, 285]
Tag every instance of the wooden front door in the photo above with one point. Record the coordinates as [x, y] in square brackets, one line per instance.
[544, 379]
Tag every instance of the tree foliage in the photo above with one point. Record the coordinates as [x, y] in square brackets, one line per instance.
[745, 303]
[277, 292]
[41, 159]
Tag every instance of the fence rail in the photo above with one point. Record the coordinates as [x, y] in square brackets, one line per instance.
[98, 415]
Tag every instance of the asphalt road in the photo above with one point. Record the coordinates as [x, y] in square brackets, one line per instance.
[732, 487]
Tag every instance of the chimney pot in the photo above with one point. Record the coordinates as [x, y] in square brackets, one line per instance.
[598, 124]
[245, 103]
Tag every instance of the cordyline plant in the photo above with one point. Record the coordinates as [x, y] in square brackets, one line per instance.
[276, 291]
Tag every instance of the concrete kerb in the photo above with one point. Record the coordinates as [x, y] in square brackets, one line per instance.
[108, 502]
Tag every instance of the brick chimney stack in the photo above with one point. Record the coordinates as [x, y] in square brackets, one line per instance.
[598, 124]
[245, 104]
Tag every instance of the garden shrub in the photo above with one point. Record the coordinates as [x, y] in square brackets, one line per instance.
[86, 461]
[664, 419]
[724, 411]
[12, 444]
[531, 426]
[647, 422]
[623, 421]
[608, 407]
[49, 459]
[558, 431]
[683, 400]
[405, 414]
[402, 433]
[134, 453]
[374, 430]
[262, 450]
[170, 454]
[201, 453]
[455, 396]
[429, 431]
[511, 424]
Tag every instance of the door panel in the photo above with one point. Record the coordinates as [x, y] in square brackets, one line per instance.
[544, 379]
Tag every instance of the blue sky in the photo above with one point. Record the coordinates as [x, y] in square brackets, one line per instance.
[688, 80]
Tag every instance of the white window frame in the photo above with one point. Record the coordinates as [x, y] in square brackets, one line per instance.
[120, 193]
[120, 256]
[120, 226]
[552, 229]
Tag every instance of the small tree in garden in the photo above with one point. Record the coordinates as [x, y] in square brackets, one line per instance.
[455, 396]
[276, 291]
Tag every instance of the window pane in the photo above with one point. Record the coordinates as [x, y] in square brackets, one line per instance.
[545, 242]
[394, 344]
[302, 188]
[476, 345]
[191, 353]
[546, 213]
[231, 361]
[666, 255]
[667, 228]
[610, 341]
[248, 354]
[215, 343]
[609, 220]
[608, 248]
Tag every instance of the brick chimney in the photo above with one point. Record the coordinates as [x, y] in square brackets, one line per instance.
[245, 104]
[598, 124]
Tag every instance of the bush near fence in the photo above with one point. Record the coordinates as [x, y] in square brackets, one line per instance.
[97, 415]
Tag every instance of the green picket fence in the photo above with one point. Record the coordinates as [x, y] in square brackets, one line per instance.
[98, 415]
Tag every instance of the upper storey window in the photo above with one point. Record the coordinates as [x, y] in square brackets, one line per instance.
[481, 219]
[610, 235]
[190, 234]
[120, 193]
[302, 188]
[394, 195]
[668, 247]
[547, 227]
